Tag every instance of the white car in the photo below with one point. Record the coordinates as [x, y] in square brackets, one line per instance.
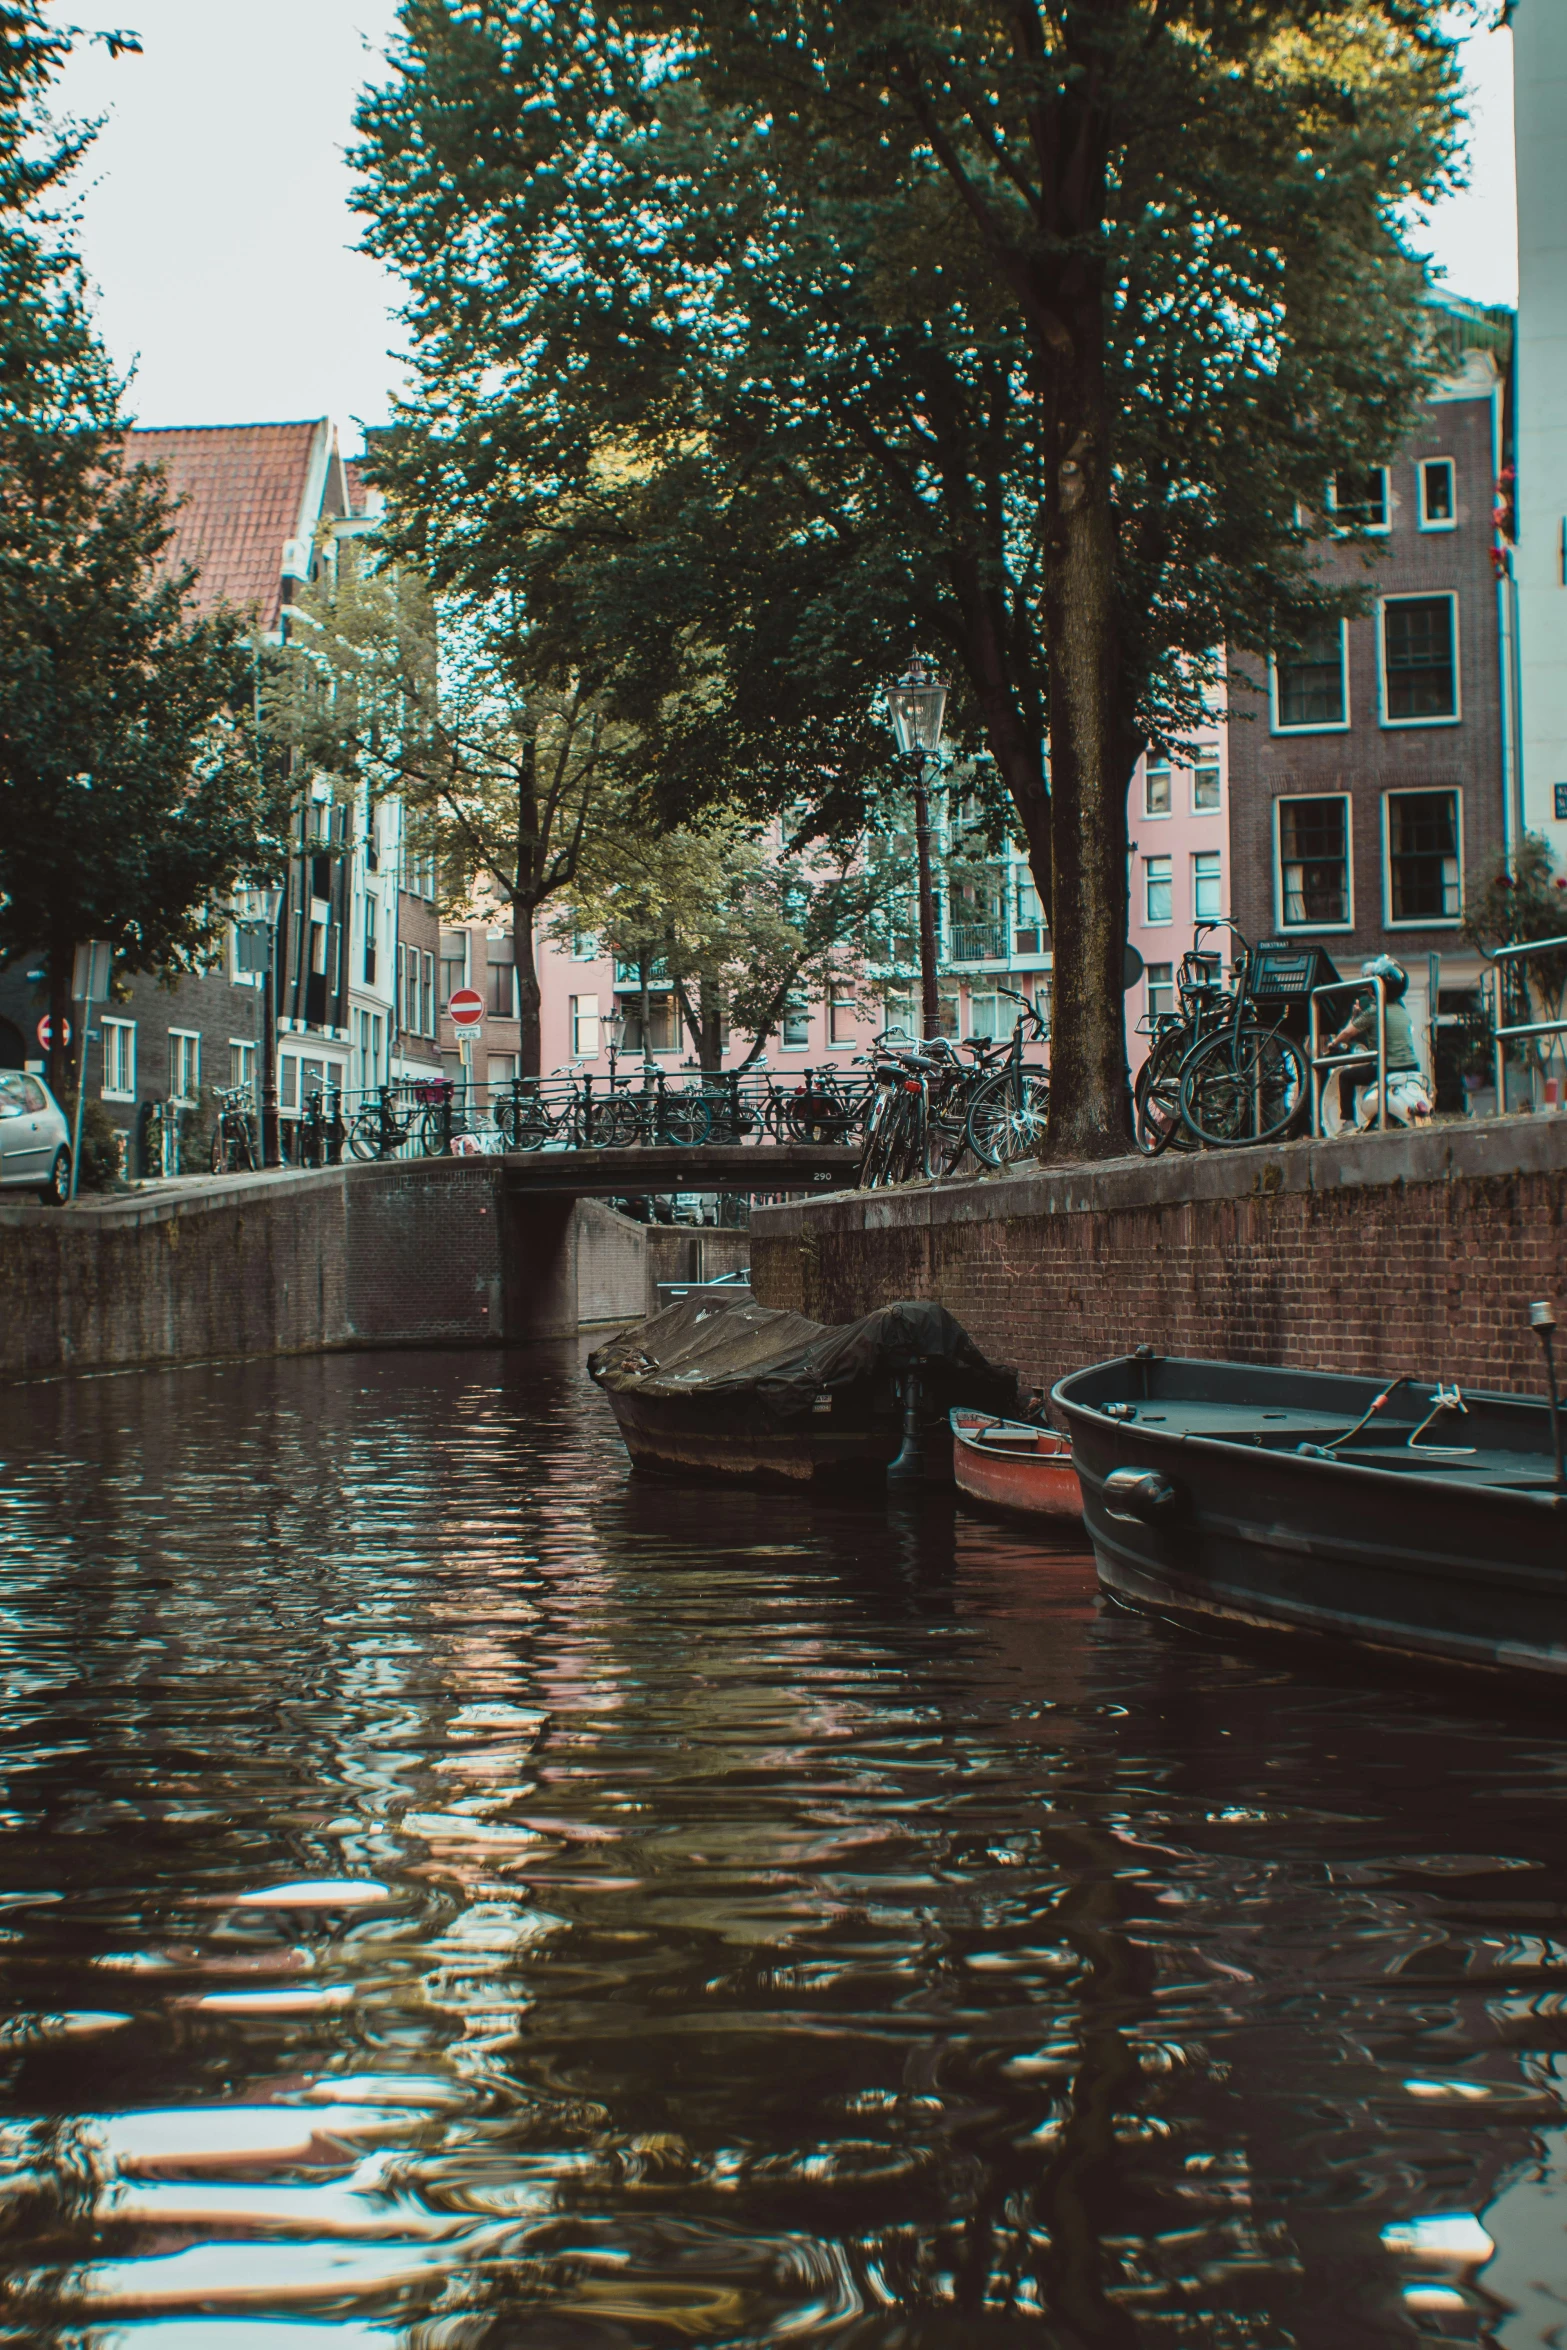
[35, 1141]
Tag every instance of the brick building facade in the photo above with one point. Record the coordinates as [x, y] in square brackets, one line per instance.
[1369, 776]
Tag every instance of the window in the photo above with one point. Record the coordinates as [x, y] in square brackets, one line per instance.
[1205, 787]
[369, 940]
[242, 1062]
[1359, 500]
[1424, 860]
[1028, 917]
[501, 1071]
[585, 1027]
[500, 976]
[987, 1016]
[901, 1021]
[288, 1082]
[1438, 494]
[584, 946]
[1308, 683]
[663, 1024]
[119, 1060]
[842, 1019]
[184, 1065]
[1158, 890]
[1156, 788]
[1207, 886]
[1419, 660]
[1313, 864]
[427, 995]
[1161, 988]
[796, 1025]
[454, 963]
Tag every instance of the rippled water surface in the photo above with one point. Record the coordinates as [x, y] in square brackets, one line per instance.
[451, 1893]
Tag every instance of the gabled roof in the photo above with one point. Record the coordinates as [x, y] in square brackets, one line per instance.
[253, 496]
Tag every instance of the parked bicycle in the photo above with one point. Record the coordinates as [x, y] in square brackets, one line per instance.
[911, 1127]
[320, 1134]
[395, 1117]
[1217, 1074]
[1009, 1106]
[236, 1139]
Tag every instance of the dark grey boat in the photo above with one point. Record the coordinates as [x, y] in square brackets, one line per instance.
[1403, 1514]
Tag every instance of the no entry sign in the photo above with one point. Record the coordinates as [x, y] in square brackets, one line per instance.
[466, 1008]
[46, 1031]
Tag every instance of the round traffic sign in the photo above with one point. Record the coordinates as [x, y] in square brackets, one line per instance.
[466, 1008]
[46, 1031]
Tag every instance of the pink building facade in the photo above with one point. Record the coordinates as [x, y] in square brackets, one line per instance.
[1178, 836]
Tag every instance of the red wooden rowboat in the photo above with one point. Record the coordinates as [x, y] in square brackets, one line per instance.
[1015, 1466]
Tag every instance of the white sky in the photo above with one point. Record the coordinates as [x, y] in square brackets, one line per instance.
[215, 217]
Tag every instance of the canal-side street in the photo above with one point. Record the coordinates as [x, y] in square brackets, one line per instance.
[456, 1893]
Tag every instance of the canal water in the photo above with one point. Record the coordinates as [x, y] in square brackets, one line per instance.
[454, 1894]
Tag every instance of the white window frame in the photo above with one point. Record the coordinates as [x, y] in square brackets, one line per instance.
[1217, 765]
[798, 1010]
[178, 1036]
[1450, 522]
[1153, 921]
[245, 1046]
[1317, 725]
[1307, 929]
[127, 1028]
[1419, 596]
[1377, 530]
[584, 1016]
[1158, 815]
[1164, 987]
[1411, 791]
[1198, 856]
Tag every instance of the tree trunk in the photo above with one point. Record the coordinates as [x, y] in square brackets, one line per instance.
[1090, 767]
[530, 1040]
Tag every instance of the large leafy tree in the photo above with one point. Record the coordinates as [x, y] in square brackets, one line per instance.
[133, 790]
[504, 758]
[766, 335]
[739, 924]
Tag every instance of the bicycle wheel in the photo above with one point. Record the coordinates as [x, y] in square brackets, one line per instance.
[684, 1119]
[906, 1141]
[1156, 1100]
[873, 1142]
[364, 1135]
[1008, 1115]
[618, 1121]
[1245, 1087]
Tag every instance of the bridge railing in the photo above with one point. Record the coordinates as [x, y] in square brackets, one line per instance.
[577, 1109]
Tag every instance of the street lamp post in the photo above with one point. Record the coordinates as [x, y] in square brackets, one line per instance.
[614, 1027]
[271, 907]
[916, 703]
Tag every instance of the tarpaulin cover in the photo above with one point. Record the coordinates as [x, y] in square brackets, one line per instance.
[784, 1362]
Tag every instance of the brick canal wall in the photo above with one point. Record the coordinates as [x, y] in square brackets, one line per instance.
[428, 1253]
[1381, 1253]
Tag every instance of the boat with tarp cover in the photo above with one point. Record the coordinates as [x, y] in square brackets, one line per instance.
[751, 1392]
[1404, 1514]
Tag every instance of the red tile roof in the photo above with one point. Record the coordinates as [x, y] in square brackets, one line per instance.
[246, 489]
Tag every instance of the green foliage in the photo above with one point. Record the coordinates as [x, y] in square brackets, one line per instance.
[132, 794]
[504, 757]
[1523, 898]
[739, 924]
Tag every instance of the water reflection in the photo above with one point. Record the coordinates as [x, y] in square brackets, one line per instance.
[452, 1895]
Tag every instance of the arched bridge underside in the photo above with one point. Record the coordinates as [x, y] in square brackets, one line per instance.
[760, 1169]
